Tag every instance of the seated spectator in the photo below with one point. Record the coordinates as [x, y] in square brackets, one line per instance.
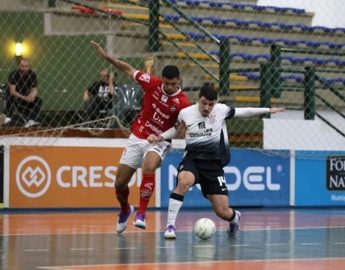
[23, 94]
[98, 98]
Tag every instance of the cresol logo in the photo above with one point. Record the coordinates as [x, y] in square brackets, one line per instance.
[33, 176]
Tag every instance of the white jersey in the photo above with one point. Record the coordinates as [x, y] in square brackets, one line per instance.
[206, 137]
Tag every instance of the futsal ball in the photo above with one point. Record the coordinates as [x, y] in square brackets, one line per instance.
[204, 228]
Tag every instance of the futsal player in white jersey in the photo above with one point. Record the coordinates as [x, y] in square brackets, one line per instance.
[206, 153]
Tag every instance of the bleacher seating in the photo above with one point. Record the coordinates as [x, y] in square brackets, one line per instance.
[288, 60]
[257, 24]
[250, 38]
[239, 6]
[295, 78]
[270, 41]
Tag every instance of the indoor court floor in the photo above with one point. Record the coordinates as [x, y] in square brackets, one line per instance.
[277, 239]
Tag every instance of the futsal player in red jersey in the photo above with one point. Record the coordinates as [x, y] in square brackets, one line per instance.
[162, 101]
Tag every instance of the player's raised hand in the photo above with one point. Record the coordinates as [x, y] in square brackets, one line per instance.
[98, 48]
[275, 110]
[154, 139]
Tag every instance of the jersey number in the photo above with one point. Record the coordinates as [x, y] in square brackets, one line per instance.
[221, 180]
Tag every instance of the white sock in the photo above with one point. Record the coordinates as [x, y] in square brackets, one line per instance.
[174, 208]
[235, 219]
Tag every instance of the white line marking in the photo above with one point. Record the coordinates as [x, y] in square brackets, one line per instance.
[277, 244]
[157, 264]
[80, 249]
[185, 230]
[241, 245]
[36, 250]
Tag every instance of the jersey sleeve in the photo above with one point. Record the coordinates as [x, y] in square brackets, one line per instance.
[34, 79]
[245, 112]
[145, 80]
[182, 116]
[228, 111]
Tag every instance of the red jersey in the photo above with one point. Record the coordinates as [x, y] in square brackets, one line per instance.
[159, 111]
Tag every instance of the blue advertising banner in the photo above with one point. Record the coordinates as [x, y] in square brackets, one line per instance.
[254, 178]
[320, 181]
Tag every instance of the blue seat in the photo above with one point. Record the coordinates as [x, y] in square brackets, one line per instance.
[171, 17]
[291, 60]
[261, 57]
[313, 44]
[238, 56]
[332, 45]
[318, 61]
[197, 19]
[217, 20]
[338, 62]
[335, 81]
[221, 36]
[244, 39]
[338, 30]
[196, 36]
[192, 2]
[293, 77]
[251, 75]
[266, 41]
[237, 6]
[215, 4]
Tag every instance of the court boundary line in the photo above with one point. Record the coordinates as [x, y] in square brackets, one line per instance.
[62, 267]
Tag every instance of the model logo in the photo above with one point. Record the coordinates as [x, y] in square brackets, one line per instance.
[33, 176]
[335, 173]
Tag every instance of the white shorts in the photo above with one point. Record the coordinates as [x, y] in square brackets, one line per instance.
[137, 148]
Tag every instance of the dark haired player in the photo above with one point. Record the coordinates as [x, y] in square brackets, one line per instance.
[206, 153]
[163, 99]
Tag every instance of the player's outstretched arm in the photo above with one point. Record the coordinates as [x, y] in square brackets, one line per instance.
[169, 134]
[275, 110]
[248, 111]
[120, 65]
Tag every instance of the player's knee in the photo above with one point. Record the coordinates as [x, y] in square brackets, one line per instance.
[181, 189]
[151, 162]
[184, 184]
[120, 183]
[149, 168]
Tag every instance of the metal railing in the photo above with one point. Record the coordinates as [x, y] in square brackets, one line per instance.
[270, 82]
[155, 32]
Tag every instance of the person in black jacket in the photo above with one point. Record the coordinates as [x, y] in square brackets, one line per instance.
[98, 98]
[23, 94]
